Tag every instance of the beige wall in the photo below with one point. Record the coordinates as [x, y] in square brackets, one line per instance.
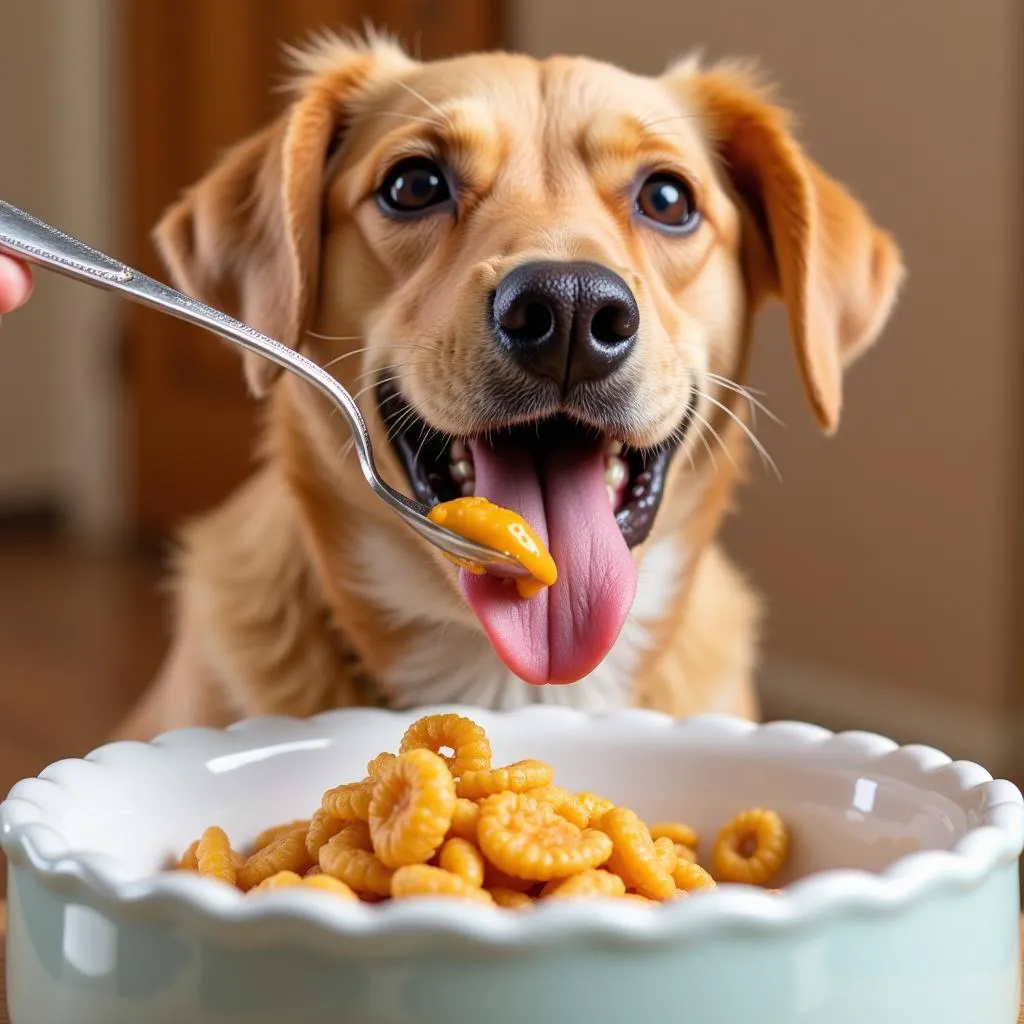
[59, 389]
[886, 552]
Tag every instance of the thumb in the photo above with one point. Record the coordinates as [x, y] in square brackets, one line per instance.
[15, 284]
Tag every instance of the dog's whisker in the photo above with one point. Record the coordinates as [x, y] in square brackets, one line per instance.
[344, 355]
[433, 106]
[711, 375]
[739, 389]
[360, 377]
[373, 383]
[432, 121]
[671, 117]
[407, 417]
[346, 449]
[334, 337]
[349, 355]
[431, 432]
[703, 440]
[766, 459]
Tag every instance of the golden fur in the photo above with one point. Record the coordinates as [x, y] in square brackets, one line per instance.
[302, 592]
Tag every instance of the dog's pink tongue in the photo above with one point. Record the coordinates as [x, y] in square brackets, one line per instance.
[565, 631]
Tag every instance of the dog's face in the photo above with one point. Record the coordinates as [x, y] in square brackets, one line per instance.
[547, 271]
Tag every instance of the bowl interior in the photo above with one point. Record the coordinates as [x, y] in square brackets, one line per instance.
[845, 810]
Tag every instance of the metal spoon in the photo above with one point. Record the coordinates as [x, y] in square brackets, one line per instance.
[31, 240]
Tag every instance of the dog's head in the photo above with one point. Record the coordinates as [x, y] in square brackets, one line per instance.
[547, 271]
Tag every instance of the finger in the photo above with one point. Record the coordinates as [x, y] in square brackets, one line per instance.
[15, 284]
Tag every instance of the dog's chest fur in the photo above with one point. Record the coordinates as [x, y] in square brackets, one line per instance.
[450, 660]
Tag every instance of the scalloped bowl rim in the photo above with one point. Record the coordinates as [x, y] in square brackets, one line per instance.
[995, 841]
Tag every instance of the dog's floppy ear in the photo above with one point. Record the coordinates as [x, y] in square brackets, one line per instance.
[246, 238]
[836, 271]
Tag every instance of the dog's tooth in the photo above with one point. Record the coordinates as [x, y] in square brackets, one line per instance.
[462, 471]
[615, 472]
[612, 446]
[613, 495]
[457, 451]
[467, 488]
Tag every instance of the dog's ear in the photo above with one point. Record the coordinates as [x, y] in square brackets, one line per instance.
[817, 249]
[246, 238]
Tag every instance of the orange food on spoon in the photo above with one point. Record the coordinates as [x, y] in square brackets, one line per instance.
[479, 520]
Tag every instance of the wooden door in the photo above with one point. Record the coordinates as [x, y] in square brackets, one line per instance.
[199, 76]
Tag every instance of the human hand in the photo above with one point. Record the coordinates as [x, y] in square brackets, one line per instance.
[15, 284]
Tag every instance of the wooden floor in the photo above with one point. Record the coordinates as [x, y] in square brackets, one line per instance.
[80, 636]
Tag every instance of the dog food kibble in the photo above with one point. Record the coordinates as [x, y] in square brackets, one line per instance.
[268, 835]
[214, 856]
[349, 802]
[349, 857]
[286, 853]
[527, 838]
[462, 858]
[516, 778]
[470, 748]
[411, 809]
[751, 848]
[479, 520]
[437, 820]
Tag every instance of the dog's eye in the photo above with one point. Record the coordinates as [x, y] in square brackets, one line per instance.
[667, 201]
[414, 186]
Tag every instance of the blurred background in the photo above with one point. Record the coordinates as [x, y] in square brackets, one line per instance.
[892, 556]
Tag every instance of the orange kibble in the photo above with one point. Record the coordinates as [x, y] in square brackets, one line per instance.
[685, 853]
[422, 880]
[592, 883]
[751, 848]
[595, 806]
[268, 835]
[379, 763]
[529, 839]
[634, 857]
[462, 858]
[279, 880]
[635, 897]
[666, 851]
[677, 832]
[567, 804]
[286, 853]
[328, 883]
[510, 899]
[188, 860]
[322, 826]
[214, 856]
[465, 819]
[349, 802]
[412, 808]
[495, 879]
[470, 747]
[516, 778]
[690, 877]
[349, 857]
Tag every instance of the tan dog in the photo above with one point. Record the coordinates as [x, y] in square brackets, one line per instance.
[540, 277]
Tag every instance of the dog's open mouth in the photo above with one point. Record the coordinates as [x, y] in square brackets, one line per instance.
[590, 499]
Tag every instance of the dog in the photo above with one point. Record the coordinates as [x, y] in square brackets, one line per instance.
[540, 280]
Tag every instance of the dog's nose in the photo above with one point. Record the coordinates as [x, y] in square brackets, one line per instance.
[568, 321]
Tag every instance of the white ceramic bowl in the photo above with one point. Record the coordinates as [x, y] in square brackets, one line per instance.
[907, 909]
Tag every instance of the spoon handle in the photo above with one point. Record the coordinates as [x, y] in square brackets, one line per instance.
[24, 236]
